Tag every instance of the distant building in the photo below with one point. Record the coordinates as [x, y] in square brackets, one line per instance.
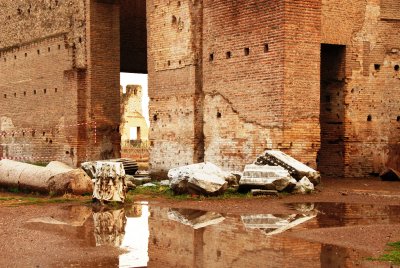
[134, 129]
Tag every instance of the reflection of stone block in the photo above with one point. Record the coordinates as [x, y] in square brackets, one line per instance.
[109, 182]
[195, 218]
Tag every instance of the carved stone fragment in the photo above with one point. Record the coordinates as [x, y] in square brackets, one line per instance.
[109, 182]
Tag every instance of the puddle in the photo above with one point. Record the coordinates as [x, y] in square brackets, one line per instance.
[345, 214]
[147, 235]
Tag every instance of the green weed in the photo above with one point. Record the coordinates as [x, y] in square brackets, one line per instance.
[392, 254]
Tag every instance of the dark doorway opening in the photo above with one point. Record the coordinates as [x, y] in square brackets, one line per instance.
[133, 36]
[331, 157]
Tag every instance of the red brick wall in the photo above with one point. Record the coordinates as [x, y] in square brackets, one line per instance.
[39, 47]
[59, 71]
[174, 84]
[243, 108]
[103, 78]
[302, 73]
[370, 40]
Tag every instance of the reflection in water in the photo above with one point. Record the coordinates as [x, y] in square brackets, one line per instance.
[163, 237]
[136, 239]
[109, 227]
[195, 218]
[274, 224]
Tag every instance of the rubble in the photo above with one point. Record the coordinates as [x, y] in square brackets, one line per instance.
[390, 175]
[149, 185]
[55, 178]
[304, 186]
[130, 185]
[203, 178]
[265, 178]
[295, 168]
[109, 182]
[164, 183]
[138, 180]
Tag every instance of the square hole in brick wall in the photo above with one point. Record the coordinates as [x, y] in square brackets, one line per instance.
[228, 55]
[246, 51]
[211, 57]
[266, 48]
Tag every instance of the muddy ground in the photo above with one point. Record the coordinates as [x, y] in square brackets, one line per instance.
[351, 219]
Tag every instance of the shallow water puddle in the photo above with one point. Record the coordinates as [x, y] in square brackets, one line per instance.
[166, 237]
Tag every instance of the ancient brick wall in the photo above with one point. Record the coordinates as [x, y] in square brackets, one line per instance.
[56, 76]
[38, 48]
[103, 100]
[174, 83]
[302, 32]
[227, 79]
[242, 80]
[370, 32]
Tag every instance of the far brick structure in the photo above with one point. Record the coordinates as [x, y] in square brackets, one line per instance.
[319, 80]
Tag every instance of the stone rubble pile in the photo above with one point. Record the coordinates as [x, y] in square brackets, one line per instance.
[272, 172]
[276, 171]
[203, 178]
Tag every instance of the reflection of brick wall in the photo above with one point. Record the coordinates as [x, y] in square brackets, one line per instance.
[227, 244]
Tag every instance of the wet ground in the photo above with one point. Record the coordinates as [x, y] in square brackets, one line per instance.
[340, 226]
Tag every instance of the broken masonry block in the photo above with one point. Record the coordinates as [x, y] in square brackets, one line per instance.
[202, 178]
[304, 186]
[266, 178]
[296, 169]
[109, 182]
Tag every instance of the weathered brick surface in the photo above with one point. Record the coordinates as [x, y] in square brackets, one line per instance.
[227, 79]
[371, 86]
[57, 69]
[174, 83]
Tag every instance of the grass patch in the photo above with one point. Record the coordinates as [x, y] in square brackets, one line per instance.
[158, 191]
[166, 192]
[392, 254]
[28, 200]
